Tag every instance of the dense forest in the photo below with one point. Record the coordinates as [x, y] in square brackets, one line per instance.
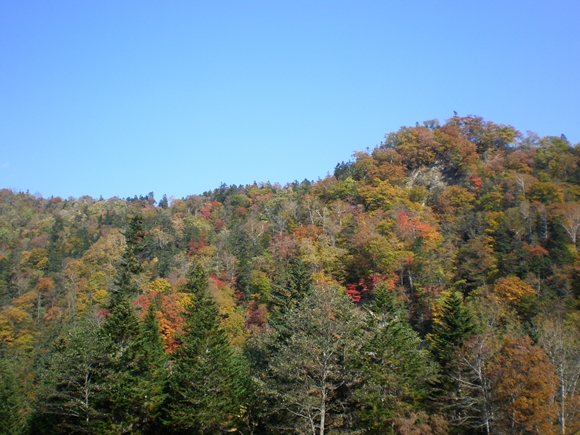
[428, 286]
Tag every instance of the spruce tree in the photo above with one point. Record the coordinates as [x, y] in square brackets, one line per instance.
[452, 326]
[12, 402]
[136, 357]
[138, 374]
[149, 367]
[294, 285]
[207, 383]
[55, 246]
[120, 331]
[129, 265]
[396, 369]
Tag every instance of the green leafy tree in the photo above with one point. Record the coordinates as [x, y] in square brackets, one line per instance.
[309, 378]
[74, 380]
[559, 335]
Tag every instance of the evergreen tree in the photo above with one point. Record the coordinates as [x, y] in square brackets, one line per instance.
[397, 370]
[137, 363]
[121, 327]
[149, 367]
[56, 245]
[135, 352]
[295, 284]
[453, 325]
[12, 402]
[129, 265]
[164, 203]
[207, 385]
[123, 395]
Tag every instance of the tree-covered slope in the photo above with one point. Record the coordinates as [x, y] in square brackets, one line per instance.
[451, 244]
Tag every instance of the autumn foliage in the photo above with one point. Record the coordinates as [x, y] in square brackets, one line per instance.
[465, 231]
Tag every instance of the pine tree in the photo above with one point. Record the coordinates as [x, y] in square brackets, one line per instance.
[207, 383]
[12, 403]
[397, 370]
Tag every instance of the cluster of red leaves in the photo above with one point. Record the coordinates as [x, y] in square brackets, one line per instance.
[362, 290]
[477, 182]
[536, 251]
[414, 226]
[195, 246]
[256, 316]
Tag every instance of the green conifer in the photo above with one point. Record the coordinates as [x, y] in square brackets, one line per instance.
[207, 383]
[129, 265]
[451, 328]
[295, 284]
[396, 369]
[136, 357]
[12, 403]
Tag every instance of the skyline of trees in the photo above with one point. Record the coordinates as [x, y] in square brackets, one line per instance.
[429, 286]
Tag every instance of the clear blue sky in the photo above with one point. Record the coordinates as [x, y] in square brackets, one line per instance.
[118, 98]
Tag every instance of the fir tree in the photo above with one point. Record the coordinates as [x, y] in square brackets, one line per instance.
[136, 356]
[55, 246]
[207, 383]
[136, 359]
[149, 368]
[121, 330]
[396, 369]
[129, 265]
[164, 203]
[295, 284]
[453, 325]
[12, 403]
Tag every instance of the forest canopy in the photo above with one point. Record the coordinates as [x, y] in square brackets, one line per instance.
[429, 286]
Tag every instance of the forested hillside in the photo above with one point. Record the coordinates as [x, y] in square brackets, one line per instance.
[428, 286]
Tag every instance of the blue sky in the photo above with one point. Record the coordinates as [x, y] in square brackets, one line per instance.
[117, 98]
